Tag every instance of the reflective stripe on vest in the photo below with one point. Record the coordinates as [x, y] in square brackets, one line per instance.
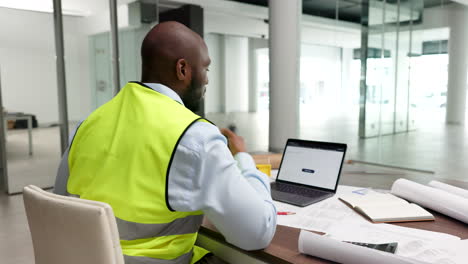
[131, 230]
[121, 155]
[185, 258]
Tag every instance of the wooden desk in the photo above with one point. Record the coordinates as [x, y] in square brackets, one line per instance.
[284, 246]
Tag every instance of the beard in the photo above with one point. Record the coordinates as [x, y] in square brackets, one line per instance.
[193, 97]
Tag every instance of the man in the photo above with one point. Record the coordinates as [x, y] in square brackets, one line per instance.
[161, 167]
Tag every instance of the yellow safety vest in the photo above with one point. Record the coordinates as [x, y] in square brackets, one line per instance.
[121, 155]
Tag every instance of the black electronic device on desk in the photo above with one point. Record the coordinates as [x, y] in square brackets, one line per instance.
[387, 247]
[309, 172]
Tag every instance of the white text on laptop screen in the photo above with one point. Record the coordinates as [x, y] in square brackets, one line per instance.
[311, 166]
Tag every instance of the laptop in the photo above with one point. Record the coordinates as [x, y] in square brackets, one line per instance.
[309, 172]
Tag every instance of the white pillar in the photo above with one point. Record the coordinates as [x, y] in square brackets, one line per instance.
[458, 64]
[285, 39]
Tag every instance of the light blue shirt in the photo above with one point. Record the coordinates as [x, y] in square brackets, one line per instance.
[230, 191]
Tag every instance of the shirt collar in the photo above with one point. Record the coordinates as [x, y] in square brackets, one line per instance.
[160, 88]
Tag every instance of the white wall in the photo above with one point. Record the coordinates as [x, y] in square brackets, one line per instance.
[435, 17]
[228, 87]
[100, 22]
[329, 32]
[254, 45]
[315, 30]
[321, 64]
[214, 97]
[239, 19]
[434, 26]
[34, 53]
[225, 23]
[28, 70]
[349, 80]
[77, 69]
[236, 61]
[234, 24]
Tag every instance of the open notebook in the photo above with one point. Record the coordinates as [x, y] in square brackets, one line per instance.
[385, 207]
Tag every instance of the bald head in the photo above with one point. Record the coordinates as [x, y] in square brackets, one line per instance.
[175, 56]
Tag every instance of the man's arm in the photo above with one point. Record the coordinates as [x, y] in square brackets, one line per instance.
[63, 172]
[232, 193]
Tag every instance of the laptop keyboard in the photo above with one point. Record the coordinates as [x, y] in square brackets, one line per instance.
[297, 190]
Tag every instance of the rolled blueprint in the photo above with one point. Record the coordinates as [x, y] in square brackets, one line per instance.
[342, 252]
[449, 188]
[435, 199]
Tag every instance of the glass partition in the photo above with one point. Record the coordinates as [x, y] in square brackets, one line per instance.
[408, 81]
[389, 53]
[362, 84]
[29, 93]
[329, 80]
[29, 86]
[99, 56]
[237, 92]
[328, 103]
[88, 67]
[330, 73]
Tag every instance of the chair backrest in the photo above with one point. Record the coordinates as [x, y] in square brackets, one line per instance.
[71, 230]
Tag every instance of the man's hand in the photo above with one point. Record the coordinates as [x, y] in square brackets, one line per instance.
[236, 143]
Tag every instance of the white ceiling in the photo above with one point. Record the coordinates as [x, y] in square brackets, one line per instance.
[465, 2]
[90, 7]
[69, 7]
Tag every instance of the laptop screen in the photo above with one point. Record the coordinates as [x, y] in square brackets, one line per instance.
[312, 163]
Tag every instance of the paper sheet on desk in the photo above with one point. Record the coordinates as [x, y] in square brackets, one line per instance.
[321, 216]
[435, 199]
[449, 188]
[430, 247]
[339, 221]
[337, 251]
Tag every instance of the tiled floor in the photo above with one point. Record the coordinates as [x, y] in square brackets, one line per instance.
[433, 146]
[38, 169]
[15, 240]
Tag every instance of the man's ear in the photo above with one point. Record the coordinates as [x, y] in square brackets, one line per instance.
[183, 70]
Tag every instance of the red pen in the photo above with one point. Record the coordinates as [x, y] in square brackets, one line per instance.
[285, 213]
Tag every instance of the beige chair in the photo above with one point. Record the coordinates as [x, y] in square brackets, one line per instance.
[67, 230]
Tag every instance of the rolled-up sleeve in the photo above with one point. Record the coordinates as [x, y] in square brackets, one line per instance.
[231, 192]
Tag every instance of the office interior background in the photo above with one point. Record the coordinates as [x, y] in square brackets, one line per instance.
[386, 77]
[375, 74]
